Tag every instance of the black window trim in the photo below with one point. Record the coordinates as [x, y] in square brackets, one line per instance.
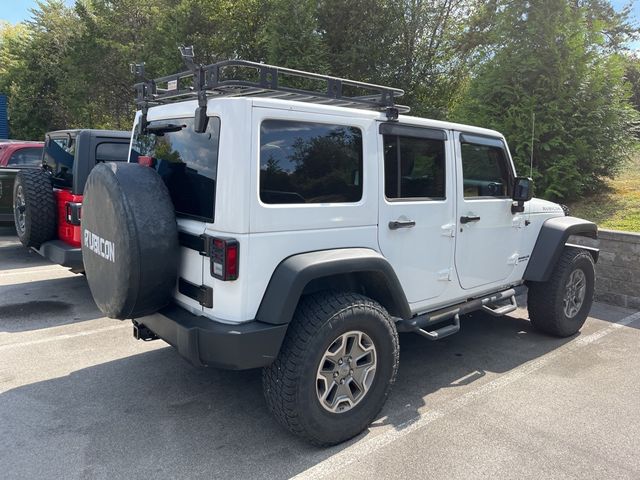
[321, 122]
[414, 131]
[430, 135]
[487, 141]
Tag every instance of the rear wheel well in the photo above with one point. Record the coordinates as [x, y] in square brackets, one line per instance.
[371, 284]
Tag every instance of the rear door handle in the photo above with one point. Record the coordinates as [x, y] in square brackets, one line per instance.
[401, 224]
[471, 218]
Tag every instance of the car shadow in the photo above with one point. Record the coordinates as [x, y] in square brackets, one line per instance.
[46, 303]
[153, 415]
[13, 256]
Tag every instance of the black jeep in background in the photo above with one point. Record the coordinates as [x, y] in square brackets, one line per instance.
[47, 201]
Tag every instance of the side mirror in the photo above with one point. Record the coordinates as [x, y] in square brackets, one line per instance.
[522, 192]
[522, 189]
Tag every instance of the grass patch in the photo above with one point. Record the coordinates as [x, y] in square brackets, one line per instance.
[619, 207]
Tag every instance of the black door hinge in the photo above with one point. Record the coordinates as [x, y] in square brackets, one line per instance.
[201, 293]
[200, 243]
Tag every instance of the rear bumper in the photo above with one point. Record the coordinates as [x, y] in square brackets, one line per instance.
[203, 341]
[63, 254]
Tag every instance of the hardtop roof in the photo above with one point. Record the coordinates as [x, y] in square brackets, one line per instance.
[187, 108]
[93, 132]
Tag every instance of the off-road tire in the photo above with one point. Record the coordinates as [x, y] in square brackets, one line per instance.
[545, 299]
[290, 382]
[39, 222]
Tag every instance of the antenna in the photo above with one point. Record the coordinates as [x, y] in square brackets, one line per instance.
[533, 130]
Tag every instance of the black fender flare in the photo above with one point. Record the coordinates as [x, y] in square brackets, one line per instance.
[294, 273]
[552, 240]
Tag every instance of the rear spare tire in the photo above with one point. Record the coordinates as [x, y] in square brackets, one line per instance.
[34, 207]
[129, 240]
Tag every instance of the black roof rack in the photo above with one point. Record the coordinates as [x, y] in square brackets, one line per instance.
[243, 78]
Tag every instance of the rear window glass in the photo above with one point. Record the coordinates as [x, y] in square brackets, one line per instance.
[302, 162]
[187, 162]
[26, 157]
[58, 157]
[112, 152]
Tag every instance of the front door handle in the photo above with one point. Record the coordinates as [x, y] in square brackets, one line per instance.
[471, 218]
[395, 225]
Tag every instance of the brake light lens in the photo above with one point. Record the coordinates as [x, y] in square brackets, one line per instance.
[225, 259]
[146, 161]
[73, 213]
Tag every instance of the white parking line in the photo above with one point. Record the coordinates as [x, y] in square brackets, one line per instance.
[65, 336]
[335, 464]
[30, 270]
[34, 274]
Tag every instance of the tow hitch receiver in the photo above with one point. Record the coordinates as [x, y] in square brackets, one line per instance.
[140, 332]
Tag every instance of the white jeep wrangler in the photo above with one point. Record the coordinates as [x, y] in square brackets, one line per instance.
[297, 222]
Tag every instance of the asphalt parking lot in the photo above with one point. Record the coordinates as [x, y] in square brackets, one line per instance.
[80, 398]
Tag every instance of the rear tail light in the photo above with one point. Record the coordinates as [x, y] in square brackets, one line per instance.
[73, 213]
[225, 258]
[146, 161]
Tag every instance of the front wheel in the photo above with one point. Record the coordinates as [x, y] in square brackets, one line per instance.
[560, 305]
[335, 368]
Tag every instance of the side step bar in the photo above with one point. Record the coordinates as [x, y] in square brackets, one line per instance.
[421, 324]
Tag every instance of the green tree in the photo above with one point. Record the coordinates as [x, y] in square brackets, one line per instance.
[38, 71]
[553, 60]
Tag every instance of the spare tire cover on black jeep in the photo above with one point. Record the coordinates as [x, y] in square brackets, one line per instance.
[129, 240]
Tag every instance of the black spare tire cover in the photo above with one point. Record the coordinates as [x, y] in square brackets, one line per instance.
[129, 240]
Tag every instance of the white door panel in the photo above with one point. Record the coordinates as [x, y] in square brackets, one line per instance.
[191, 265]
[488, 235]
[417, 235]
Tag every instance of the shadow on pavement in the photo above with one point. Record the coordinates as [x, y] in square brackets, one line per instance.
[46, 303]
[611, 313]
[152, 415]
[14, 256]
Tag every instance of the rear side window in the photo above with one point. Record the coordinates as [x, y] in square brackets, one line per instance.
[112, 152]
[485, 171]
[26, 157]
[303, 162]
[187, 162]
[414, 168]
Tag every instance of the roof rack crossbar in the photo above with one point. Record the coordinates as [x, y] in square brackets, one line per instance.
[262, 80]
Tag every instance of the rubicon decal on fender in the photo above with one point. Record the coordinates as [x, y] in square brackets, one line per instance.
[100, 246]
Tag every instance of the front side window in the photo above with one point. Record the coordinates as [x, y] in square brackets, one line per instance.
[186, 161]
[304, 162]
[485, 171]
[26, 157]
[414, 168]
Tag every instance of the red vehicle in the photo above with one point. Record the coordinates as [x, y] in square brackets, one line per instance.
[15, 155]
[47, 202]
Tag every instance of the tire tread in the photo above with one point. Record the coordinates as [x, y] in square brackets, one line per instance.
[281, 379]
[543, 297]
[40, 207]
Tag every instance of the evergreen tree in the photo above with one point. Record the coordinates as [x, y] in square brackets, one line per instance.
[551, 62]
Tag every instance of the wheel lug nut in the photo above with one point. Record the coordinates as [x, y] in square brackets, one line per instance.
[335, 374]
[350, 372]
[342, 382]
[340, 362]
